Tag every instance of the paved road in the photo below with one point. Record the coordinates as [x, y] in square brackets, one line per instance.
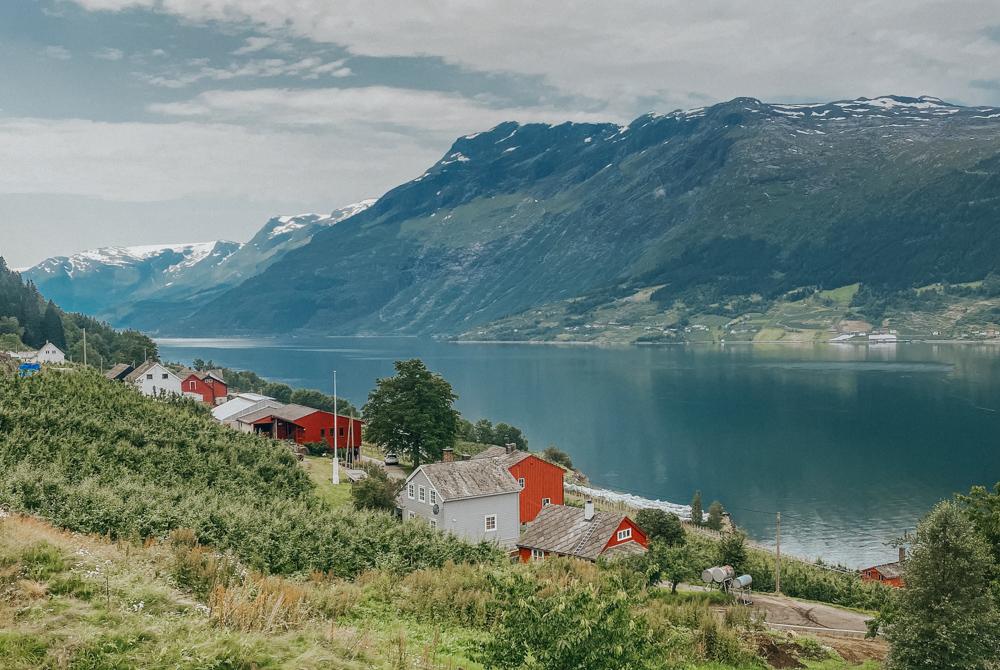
[394, 470]
[789, 614]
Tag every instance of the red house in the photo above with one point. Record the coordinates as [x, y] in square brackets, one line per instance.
[559, 530]
[541, 482]
[887, 573]
[209, 385]
[304, 425]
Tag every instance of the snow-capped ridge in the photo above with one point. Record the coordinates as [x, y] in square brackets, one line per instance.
[289, 223]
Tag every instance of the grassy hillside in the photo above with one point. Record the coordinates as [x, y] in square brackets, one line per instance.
[199, 547]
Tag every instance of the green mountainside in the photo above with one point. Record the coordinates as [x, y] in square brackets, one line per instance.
[730, 210]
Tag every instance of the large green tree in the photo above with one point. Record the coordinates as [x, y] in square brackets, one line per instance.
[946, 618]
[52, 326]
[661, 525]
[412, 413]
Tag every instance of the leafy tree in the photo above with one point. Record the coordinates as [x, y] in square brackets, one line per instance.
[715, 511]
[377, 491]
[696, 514]
[733, 551]
[412, 413]
[555, 455]
[982, 507]
[662, 562]
[484, 431]
[506, 434]
[945, 618]
[661, 525]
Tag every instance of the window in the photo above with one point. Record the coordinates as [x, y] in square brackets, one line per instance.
[164, 375]
[322, 432]
[434, 497]
[624, 534]
[410, 514]
[520, 482]
[537, 554]
[409, 491]
[422, 494]
[149, 376]
[340, 431]
[546, 502]
[433, 523]
[491, 523]
[191, 385]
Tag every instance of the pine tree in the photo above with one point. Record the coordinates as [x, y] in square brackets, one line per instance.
[696, 514]
[52, 326]
[945, 618]
[715, 511]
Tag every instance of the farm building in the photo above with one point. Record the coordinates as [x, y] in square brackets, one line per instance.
[49, 353]
[302, 425]
[541, 482]
[559, 530]
[476, 499]
[240, 403]
[887, 573]
[152, 379]
[118, 372]
[209, 386]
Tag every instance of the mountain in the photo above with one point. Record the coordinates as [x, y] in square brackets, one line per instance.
[734, 204]
[147, 286]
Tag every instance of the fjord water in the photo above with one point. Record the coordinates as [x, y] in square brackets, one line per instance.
[851, 443]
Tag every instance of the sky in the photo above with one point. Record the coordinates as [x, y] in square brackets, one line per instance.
[127, 122]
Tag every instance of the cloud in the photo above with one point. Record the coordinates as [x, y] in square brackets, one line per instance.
[109, 53]
[309, 67]
[57, 52]
[436, 114]
[254, 44]
[660, 52]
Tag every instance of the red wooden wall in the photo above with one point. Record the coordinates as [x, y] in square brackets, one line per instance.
[541, 480]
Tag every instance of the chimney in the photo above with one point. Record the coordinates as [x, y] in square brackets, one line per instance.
[510, 447]
[902, 554]
[448, 455]
[588, 510]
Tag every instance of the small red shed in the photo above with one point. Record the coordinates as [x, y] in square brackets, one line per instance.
[559, 530]
[887, 573]
[209, 385]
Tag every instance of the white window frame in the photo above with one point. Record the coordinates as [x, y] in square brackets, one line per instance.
[433, 523]
[409, 490]
[410, 514]
[422, 493]
[520, 482]
[546, 502]
[486, 523]
[624, 534]
[537, 555]
[433, 498]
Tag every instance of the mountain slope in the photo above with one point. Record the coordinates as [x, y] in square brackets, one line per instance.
[147, 287]
[740, 198]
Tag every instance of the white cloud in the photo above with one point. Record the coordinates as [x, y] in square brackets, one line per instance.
[670, 52]
[310, 67]
[254, 44]
[57, 52]
[109, 53]
[436, 114]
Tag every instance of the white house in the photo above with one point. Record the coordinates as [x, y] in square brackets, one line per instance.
[153, 379]
[50, 353]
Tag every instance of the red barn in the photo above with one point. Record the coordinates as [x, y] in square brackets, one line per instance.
[210, 386]
[304, 425]
[887, 573]
[559, 530]
[541, 482]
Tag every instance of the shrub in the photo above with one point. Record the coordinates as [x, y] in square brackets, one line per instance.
[377, 491]
[661, 525]
[557, 456]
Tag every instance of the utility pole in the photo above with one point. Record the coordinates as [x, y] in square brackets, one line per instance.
[336, 458]
[777, 556]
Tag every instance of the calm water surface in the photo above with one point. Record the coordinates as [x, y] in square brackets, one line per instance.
[852, 444]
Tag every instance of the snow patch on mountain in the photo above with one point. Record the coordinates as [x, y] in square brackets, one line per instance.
[289, 224]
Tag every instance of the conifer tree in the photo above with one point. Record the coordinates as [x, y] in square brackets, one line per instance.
[696, 514]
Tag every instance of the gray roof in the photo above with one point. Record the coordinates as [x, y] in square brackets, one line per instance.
[470, 479]
[490, 452]
[141, 370]
[500, 453]
[889, 570]
[561, 529]
[291, 413]
[118, 371]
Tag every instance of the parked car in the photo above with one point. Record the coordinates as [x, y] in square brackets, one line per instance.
[391, 459]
